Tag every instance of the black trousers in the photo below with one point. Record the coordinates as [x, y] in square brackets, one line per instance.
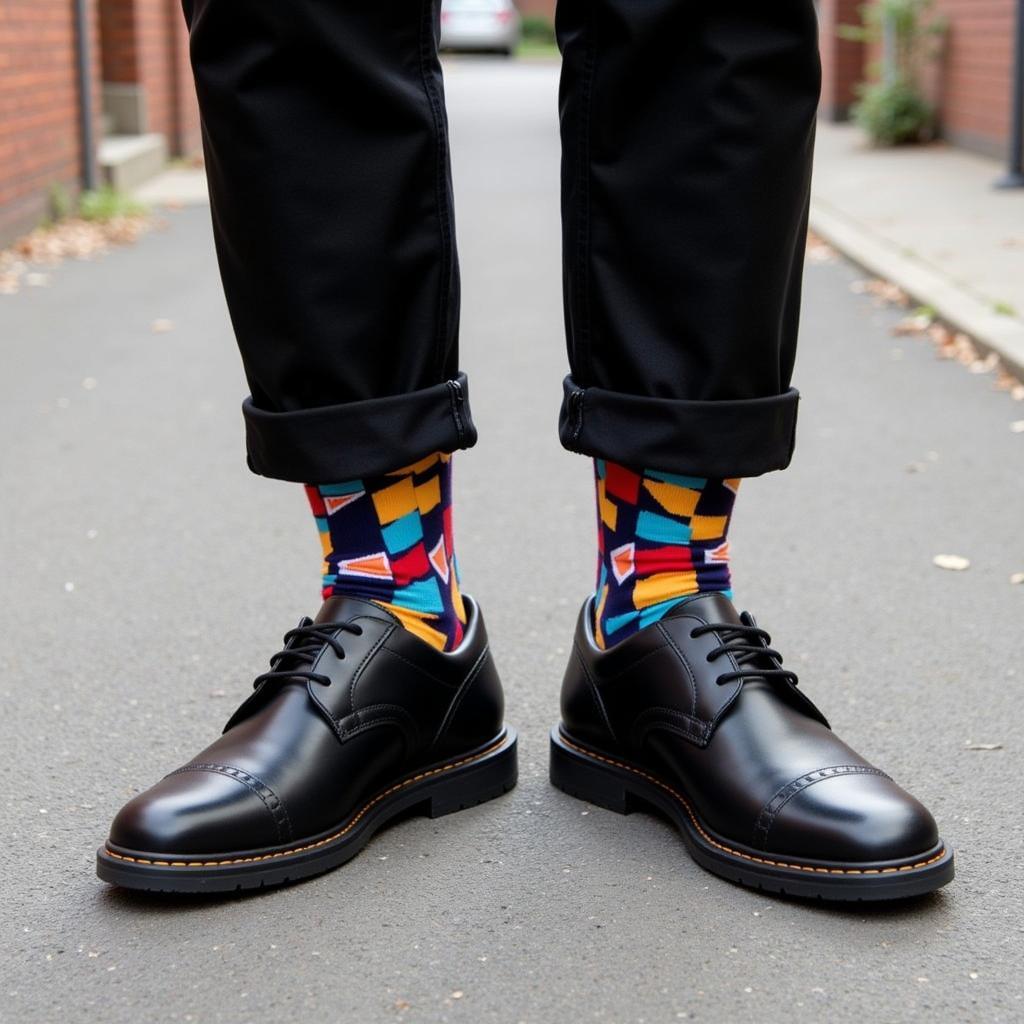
[687, 133]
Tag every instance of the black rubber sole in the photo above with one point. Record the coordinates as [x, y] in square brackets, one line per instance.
[621, 787]
[474, 778]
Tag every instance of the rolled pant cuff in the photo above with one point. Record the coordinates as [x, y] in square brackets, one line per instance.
[745, 437]
[333, 443]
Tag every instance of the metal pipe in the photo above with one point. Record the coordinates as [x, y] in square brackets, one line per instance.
[890, 70]
[1014, 176]
[86, 132]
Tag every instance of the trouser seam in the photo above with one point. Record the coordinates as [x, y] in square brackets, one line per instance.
[577, 397]
[582, 325]
[455, 399]
[427, 48]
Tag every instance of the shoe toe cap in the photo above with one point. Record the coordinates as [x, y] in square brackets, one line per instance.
[198, 812]
[852, 819]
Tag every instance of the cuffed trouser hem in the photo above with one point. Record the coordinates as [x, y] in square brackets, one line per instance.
[746, 437]
[334, 443]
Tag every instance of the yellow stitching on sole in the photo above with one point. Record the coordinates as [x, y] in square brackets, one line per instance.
[320, 842]
[736, 853]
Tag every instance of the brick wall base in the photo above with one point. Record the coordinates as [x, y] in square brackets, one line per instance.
[39, 122]
[139, 52]
[970, 83]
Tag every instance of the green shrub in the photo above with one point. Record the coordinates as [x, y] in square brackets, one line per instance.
[106, 203]
[892, 108]
[893, 113]
[59, 201]
[538, 29]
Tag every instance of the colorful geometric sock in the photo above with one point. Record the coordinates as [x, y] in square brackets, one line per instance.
[388, 539]
[661, 538]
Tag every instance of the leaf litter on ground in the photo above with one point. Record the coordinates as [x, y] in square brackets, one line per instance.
[72, 238]
[949, 344]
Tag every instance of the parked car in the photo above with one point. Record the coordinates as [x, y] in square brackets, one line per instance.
[480, 25]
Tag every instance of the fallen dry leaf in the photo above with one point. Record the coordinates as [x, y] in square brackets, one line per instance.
[985, 365]
[1017, 577]
[948, 345]
[913, 324]
[966, 352]
[955, 563]
[885, 292]
[72, 238]
[818, 250]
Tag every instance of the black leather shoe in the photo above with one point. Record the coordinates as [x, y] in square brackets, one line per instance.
[358, 721]
[695, 717]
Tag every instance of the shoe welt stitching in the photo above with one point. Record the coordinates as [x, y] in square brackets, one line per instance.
[320, 842]
[737, 853]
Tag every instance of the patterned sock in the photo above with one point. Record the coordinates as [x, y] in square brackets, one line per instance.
[661, 538]
[388, 539]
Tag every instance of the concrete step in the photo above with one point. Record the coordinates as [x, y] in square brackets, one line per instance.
[126, 161]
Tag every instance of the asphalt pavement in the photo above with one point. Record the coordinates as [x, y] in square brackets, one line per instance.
[147, 576]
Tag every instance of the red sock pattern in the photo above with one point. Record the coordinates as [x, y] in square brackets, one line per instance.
[661, 537]
[389, 539]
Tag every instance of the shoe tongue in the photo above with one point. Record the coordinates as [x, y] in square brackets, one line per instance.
[341, 608]
[713, 607]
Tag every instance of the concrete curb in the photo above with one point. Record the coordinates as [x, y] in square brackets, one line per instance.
[953, 303]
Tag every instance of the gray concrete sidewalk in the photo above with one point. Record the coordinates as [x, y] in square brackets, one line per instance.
[928, 219]
[148, 576]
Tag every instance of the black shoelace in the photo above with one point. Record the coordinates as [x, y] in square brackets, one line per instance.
[301, 647]
[751, 648]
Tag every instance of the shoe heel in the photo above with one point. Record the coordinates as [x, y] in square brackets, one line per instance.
[484, 780]
[587, 780]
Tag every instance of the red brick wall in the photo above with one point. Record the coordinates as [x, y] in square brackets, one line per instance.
[154, 43]
[159, 47]
[542, 8]
[165, 74]
[842, 61]
[142, 41]
[189, 140]
[117, 40]
[975, 101]
[39, 140]
[971, 85]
